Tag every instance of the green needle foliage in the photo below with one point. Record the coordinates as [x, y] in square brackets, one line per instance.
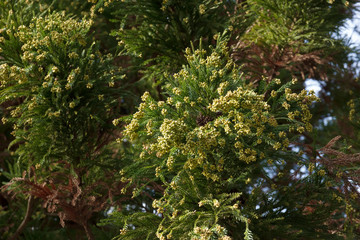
[62, 95]
[212, 143]
[62, 82]
[225, 142]
[156, 33]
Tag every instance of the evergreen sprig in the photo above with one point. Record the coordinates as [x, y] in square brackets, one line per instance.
[62, 82]
[212, 127]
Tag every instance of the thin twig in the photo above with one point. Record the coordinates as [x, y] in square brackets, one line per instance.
[29, 210]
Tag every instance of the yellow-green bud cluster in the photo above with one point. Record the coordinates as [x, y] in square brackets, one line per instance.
[212, 126]
[62, 79]
[205, 118]
[354, 111]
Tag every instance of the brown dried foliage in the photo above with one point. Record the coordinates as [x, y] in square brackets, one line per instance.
[65, 195]
[267, 61]
[344, 167]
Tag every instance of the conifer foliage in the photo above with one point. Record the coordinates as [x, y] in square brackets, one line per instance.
[167, 119]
